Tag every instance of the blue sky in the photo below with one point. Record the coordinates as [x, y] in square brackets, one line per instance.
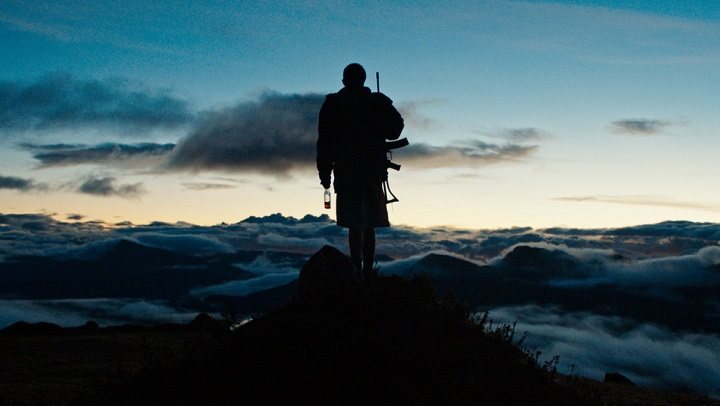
[579, 113]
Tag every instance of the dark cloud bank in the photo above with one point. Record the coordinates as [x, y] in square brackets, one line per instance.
[60, 101]
[51, 155]
[13, 182]
[21, 184]
[278, 132]
[91, 185]
[640, 300]
[273, 134]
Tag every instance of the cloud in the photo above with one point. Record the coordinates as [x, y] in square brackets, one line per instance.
[642, 200]
[471, 153]
[706, 231]
[187, 244]
[517, 135]
[599, 313]
[74, 216]
[141, 154]
[639, 126]
[653, 276]
[275, 240]
[524, 134]
[51, 30]
[413, 118]
[660, 231]
[277, 133]
[107, 187]
[273, 135]
[20, 184]
[60, 101]
[266, 263]
[207, 186]
[64, 23]
[246, 287]
[649, 355]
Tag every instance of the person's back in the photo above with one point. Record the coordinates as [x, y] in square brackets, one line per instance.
[353, 126]
[354, 118]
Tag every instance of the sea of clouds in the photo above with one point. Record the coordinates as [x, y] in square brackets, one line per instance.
[675, 262]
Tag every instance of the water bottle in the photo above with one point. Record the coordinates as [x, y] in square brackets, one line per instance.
[326, 197]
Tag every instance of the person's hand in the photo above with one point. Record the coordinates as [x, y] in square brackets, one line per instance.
[325, 182]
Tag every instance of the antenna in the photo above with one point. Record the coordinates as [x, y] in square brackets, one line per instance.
[377, 81]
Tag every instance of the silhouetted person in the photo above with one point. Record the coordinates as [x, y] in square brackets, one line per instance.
[353, 126]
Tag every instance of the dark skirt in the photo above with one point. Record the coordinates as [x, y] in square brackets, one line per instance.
[363, 207]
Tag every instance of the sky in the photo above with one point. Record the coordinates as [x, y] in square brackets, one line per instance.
[541, 114]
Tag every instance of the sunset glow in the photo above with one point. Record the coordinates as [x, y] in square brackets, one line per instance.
[574, 113]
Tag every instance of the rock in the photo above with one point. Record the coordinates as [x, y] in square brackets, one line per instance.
[617, 378]
[90, 326]
[205, 323]
[328, 270]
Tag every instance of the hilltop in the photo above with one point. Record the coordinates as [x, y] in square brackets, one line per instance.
[341, 340]
[346, 341]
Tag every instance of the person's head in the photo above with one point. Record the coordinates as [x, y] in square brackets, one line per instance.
[354, 75]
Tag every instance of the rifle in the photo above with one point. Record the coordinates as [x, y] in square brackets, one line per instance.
[390, 145]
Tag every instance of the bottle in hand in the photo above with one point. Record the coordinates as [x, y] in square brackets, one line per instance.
[326, 197]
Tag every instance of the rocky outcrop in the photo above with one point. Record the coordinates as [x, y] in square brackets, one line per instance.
[326, 272]
[618, 378]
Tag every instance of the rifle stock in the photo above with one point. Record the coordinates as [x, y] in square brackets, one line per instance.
[403, 142]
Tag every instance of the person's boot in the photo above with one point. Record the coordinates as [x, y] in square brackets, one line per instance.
[369, 273]
[357, 267]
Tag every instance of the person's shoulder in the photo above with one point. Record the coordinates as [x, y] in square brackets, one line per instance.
[336, 97]
[380, 98]
[331, 100]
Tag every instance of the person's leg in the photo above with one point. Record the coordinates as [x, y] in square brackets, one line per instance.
[355, 240]
[368, 251]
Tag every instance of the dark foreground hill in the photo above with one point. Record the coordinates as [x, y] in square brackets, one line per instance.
[338, 341]
[343, 341]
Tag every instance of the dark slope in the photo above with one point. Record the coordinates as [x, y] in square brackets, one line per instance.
[126, 270]
[254, 303]
[342, 341]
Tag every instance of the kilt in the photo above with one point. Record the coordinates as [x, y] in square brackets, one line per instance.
[362, 207]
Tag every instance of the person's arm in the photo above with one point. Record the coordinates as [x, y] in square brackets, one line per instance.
[324, 157]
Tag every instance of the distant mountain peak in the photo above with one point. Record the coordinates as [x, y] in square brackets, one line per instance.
[127, 246]
[524, 256]
[127, 250]
[278, 218]
[447, 264]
